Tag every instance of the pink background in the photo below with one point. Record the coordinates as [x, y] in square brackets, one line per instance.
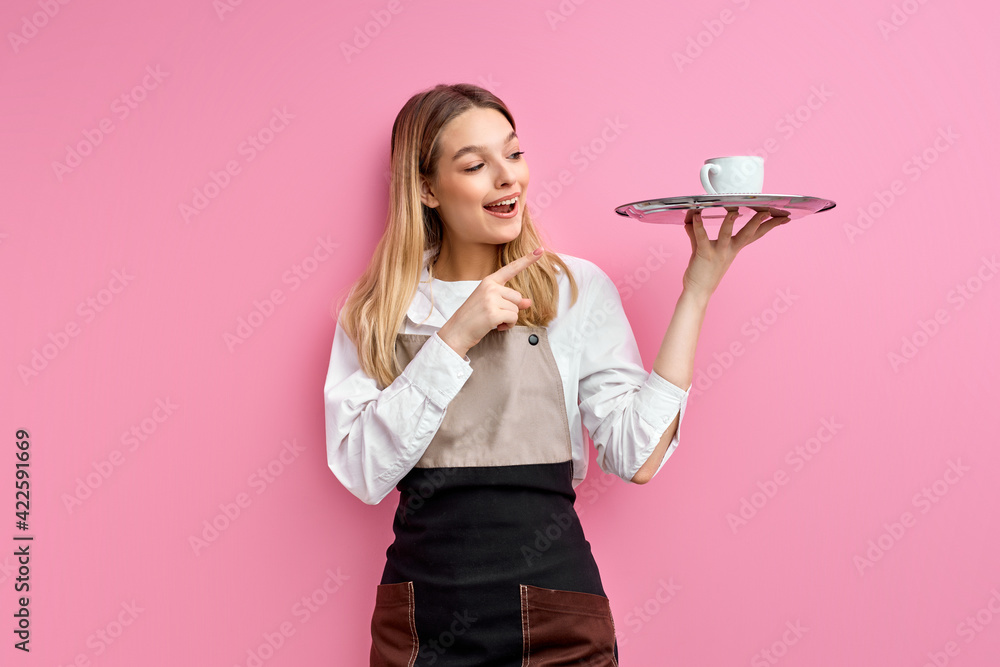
[841, 107]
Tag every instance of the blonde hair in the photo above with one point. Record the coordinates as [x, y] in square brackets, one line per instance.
[379, 299]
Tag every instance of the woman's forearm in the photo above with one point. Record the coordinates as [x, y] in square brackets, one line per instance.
[675, 363]
[675, 360]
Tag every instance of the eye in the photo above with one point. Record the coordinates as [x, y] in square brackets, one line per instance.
[516, 156]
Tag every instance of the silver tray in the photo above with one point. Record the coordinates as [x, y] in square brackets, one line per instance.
[673, 210]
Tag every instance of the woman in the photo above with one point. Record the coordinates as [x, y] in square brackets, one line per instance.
[457, 365]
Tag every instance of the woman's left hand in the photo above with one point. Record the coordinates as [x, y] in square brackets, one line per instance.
[710, 259]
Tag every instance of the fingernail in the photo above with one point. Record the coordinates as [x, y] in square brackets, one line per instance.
[538, 251]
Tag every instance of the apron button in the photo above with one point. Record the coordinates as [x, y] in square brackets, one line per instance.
[533, 339]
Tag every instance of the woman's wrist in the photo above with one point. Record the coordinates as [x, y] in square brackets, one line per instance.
[695, 297]
[444, 333]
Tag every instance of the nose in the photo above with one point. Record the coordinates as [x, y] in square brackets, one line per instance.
[505, 175]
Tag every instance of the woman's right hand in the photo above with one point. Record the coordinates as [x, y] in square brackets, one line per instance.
[492, 305]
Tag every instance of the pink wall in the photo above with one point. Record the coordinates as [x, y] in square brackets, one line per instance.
[133, 305]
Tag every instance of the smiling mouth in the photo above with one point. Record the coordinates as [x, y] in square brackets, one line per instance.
[507, 212]
[507, 208]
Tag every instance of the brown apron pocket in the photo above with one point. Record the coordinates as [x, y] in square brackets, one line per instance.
[394, 633]
[565, 627]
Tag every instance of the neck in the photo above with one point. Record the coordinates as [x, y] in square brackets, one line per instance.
[473, 261]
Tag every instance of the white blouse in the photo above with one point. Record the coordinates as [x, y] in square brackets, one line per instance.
[375, 437]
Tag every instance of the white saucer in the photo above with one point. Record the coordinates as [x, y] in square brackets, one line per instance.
[673, 210]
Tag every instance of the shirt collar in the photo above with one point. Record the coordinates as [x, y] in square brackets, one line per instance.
[421, 312]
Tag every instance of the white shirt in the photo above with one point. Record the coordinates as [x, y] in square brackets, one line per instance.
[375, 437]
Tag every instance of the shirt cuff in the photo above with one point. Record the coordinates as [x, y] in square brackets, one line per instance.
[658, 399]
[438, 371]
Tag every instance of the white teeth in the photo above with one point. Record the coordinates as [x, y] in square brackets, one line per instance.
[505, 202]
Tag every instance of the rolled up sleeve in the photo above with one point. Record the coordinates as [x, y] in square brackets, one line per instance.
[625, 409]
[374, 437]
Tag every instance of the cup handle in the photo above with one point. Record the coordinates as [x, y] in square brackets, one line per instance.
[709, 167]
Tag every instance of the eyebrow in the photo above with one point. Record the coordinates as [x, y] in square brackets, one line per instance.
[481, 149]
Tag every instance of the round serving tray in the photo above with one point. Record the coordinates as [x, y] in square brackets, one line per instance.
[673, 210]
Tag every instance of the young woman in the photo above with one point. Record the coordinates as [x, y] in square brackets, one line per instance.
[465, 361]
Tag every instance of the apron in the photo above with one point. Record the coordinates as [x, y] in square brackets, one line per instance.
[489, 566]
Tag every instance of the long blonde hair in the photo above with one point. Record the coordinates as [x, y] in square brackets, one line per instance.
[379, 299]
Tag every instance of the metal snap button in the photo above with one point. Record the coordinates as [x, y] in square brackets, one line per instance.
[533, 339]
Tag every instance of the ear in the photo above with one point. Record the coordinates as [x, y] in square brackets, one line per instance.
[426, 195]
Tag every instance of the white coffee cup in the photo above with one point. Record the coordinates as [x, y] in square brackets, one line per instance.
[735, 174]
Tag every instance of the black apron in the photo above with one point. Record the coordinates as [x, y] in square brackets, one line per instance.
[490, 566]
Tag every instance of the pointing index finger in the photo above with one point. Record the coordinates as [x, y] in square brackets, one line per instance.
[508, 271]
